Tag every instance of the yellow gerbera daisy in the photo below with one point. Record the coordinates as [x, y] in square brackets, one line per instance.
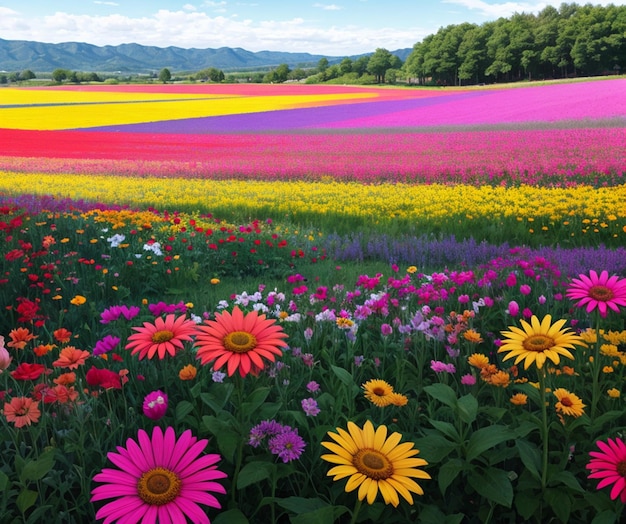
[519, 399]
[568, 404]
[375, 462]
[539, 341]
[478, 360]
[378, 392]
[398, 399]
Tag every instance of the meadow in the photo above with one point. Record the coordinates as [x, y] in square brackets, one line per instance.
[296, 303]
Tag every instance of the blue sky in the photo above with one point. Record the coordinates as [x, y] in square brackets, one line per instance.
[327, 27]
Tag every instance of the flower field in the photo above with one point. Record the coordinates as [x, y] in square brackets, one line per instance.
[187, 334]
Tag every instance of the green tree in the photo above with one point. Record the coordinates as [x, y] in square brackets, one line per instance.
[378, 64]
[359, 66]
[322, 65]
[346, 66]
[165, 75]
[27, 74]
[58, 75]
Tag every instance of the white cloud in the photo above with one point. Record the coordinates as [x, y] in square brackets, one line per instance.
[328, 7]
[190, 7]
[114, 4]
[503, 9]
[187, 28]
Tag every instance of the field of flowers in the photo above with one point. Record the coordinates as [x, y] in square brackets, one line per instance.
[186, 336]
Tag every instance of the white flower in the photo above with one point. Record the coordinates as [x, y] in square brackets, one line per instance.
[116, 240]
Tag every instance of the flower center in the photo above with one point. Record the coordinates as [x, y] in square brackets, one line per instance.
[567, 402]
[239, 341]
[372, 464]
[538, 343]
[601, 293]
[158, 486]
[380, 392]
[621, 468]
[162, 336]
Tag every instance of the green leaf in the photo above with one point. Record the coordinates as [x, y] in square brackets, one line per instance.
[527, 503]
[36, 469]
[605, 517]
[227, 438]
[434, 448]
[299, 505]
[560, 503]
[447, 429]
[231, 516]
[443, 393]
[26, 499]
[183, 408]
[254, 401]
[254, 472]
[343, 375]
[467, 408]
[447, 473]
[530, 456]
[566, 478]
[4, 481]
[486, 438]
[326, 515]
[493, 484]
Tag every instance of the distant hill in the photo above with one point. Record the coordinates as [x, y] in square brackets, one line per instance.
[18, 55]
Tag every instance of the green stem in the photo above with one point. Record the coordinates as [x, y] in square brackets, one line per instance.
[595, 370]
[544, 427]
[355, 512]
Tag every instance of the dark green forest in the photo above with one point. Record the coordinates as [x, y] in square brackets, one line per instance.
[572, 40]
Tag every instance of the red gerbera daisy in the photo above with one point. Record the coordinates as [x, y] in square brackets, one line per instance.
[240, 341]
[609, 465]
[165, 335]
[598, 292]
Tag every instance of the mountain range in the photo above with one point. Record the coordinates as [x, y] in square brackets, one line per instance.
[18, 55]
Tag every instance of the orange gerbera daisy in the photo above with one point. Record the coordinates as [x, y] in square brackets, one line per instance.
[22, 411]
[239, 341]
[62, 335]
[19, 338]
[71, 357]
[164, 336]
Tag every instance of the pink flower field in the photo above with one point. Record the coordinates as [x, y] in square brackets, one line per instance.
[550, 134]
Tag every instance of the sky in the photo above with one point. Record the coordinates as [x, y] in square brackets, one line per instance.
[324, 27]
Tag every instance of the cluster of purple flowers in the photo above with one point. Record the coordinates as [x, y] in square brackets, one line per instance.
[114, 313]
[283, 441]
[160, 308]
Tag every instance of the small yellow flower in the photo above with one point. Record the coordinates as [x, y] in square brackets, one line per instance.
[473, 336]
[607, 369]
[500, 379]
[614, 393]
[344, 323]
[78, 300]
[189, 305]
[378, 392]
[398, 399]
[411, 269]
[568, 403]
[215, 281]
[519, 399]
[478, 360]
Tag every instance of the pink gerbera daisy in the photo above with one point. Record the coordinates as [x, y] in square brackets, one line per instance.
[161, 479]
[609, 465]
[164, 335]
[239, 341]
[598, 292]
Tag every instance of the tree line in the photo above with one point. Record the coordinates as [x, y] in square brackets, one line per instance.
[572, 40]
